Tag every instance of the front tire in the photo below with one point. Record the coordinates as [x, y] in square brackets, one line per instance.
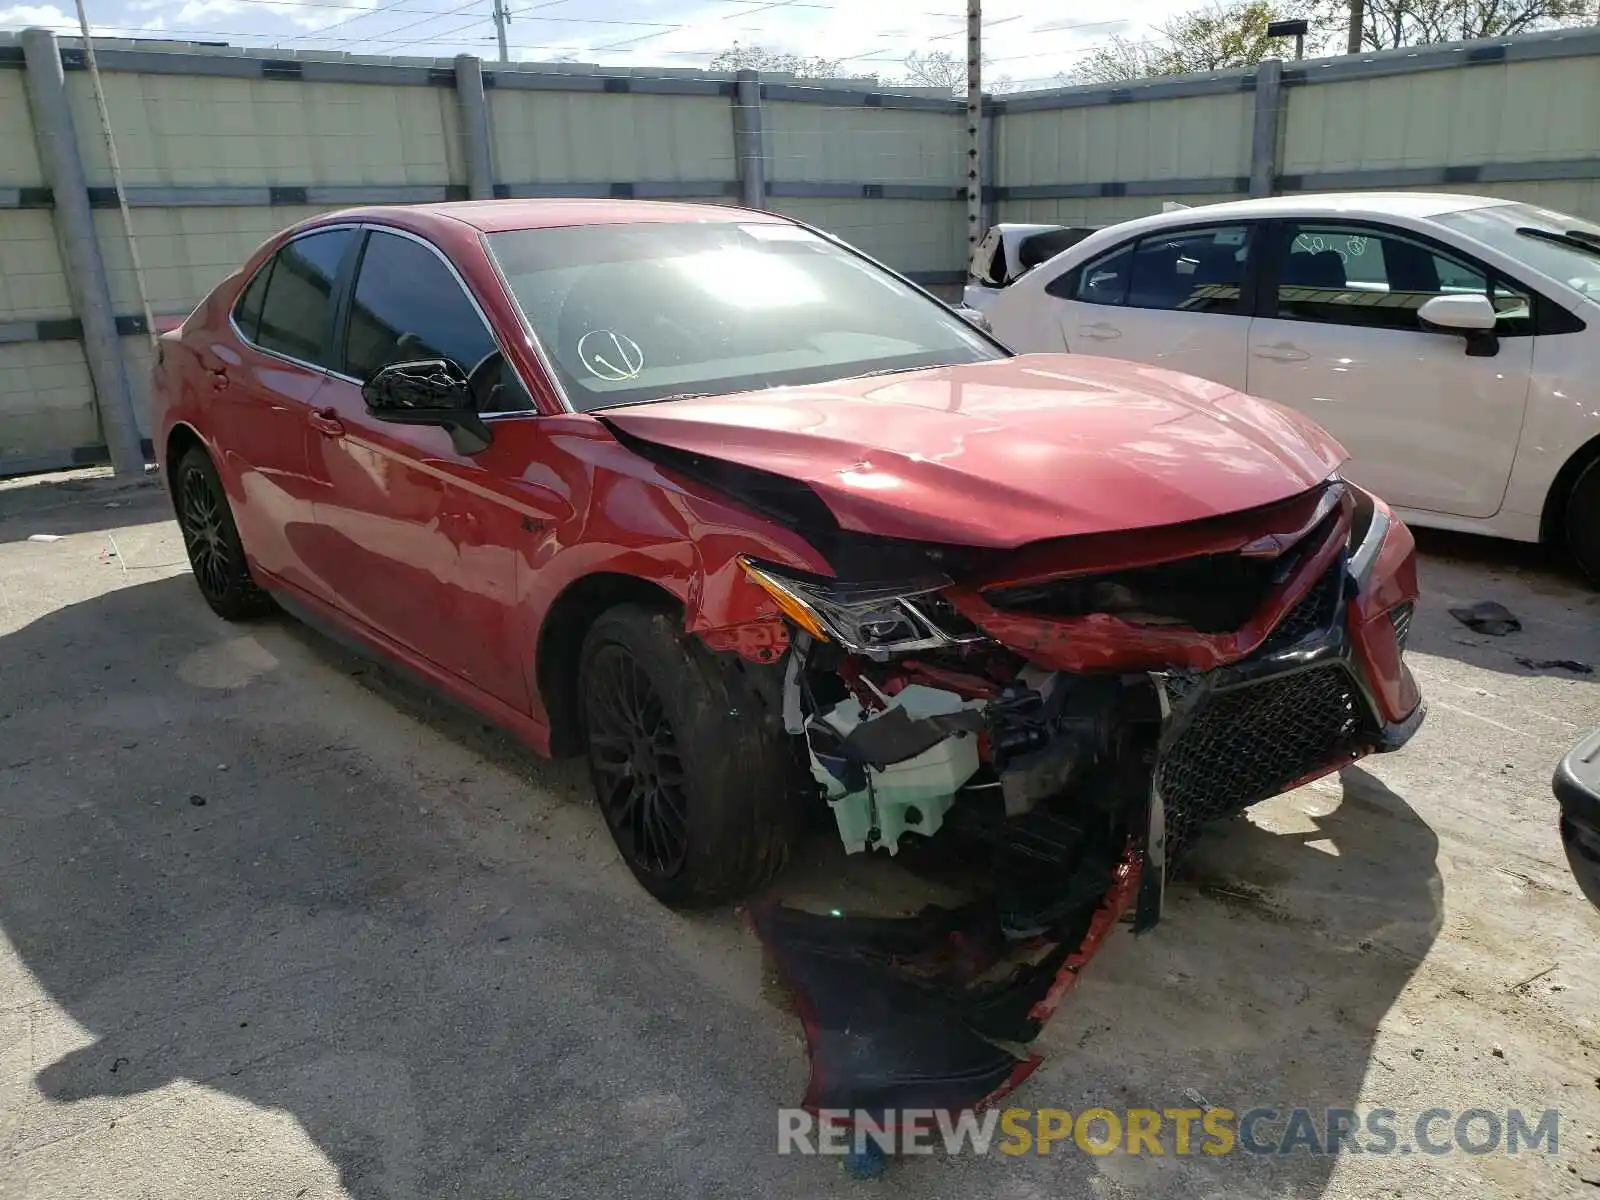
[1581, 521]
[211, 540]
[694, 777]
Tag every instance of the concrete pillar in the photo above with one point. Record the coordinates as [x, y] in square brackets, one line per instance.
[1266, 131]
[475, 137]
[991, 168]
[86, 268]
[749, 145]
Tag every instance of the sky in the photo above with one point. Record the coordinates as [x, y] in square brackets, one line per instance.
[1029, 42]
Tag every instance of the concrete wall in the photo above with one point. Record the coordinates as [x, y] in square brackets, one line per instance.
[221, 148]
[45, 399]
[1518, 118]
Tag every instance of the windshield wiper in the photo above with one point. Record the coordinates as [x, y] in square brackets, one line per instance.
[890, 371]
[1575, 239]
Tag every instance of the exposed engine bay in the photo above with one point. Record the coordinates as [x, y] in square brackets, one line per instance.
[1073, 729]
[1038, 703]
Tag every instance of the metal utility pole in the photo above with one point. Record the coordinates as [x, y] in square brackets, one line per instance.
[974, 125]
[501, 17]
[1358, 20]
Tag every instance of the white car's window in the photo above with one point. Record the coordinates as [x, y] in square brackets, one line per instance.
[1353, 275]
[652, 310]
[1553, 243]
[1188, 270]
[1105, 281]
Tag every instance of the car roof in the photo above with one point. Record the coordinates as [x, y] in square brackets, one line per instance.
[1420, 205]
[499, 216]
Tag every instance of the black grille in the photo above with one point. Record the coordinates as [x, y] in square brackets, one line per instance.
[1247, 744]
[1312, 614]
[1211, 593]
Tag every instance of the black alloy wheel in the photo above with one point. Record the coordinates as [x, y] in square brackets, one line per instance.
[202, 533]
[211, 540]
[638, 774]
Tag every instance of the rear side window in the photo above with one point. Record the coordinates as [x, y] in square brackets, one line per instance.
[297, 311]
[1106, 281]
[1190, 270]
[1198, 270]
[407, 306]
[247, 310]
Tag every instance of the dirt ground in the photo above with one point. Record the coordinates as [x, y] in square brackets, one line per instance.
[272, 923]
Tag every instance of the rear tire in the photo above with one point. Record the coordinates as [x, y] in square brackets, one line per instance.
[211, 539]
[695, 777]
[1581, 522]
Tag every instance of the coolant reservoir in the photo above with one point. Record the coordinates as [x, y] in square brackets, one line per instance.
[913, 794]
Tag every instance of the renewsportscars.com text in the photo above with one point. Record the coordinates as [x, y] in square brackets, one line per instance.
[1171, 1131]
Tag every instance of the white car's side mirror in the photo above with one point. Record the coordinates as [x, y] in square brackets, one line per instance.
[973, 317]
[1458, 313]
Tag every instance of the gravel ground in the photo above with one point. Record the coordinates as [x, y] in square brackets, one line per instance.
[272, 923]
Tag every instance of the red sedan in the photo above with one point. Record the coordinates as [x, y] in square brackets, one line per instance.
[763, 529]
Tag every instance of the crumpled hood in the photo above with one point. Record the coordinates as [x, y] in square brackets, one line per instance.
[1004, 453]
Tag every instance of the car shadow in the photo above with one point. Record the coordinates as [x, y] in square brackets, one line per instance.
[229, 863]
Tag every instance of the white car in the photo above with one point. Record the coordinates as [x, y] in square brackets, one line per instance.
[1452, 343]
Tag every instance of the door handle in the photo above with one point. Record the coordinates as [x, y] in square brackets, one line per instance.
[326, 421]
[1281, 352]
[463, 528]
[1100, 331]
[219, 380]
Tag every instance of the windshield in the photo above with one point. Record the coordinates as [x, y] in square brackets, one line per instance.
[1568, 259]
[650, 311]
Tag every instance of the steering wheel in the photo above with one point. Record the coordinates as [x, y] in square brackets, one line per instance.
[483, 380]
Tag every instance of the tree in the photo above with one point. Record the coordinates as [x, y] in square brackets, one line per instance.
[941, 69]
[1219, 37]
[758, 58]
[1387, 24]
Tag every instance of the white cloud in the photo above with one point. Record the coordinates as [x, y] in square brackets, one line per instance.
[1024, 40]
[1026, 44]
[48, 16]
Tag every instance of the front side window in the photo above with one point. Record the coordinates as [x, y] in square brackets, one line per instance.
[629, 313]
[1353, 275]
[297, 309]
[408, 305]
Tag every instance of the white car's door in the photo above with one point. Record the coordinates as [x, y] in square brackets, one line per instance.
[1173, 298]
[1430, 419]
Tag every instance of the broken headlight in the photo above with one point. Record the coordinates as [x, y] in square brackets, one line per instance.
[1368, 527]
[875, 619]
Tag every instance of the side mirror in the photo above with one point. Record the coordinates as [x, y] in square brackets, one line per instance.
[428, 392]
[974, 318]
[1470, 315]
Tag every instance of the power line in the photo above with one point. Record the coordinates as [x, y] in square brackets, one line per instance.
[367, 12]
[443, 33]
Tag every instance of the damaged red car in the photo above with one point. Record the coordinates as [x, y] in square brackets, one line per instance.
[768, 532]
